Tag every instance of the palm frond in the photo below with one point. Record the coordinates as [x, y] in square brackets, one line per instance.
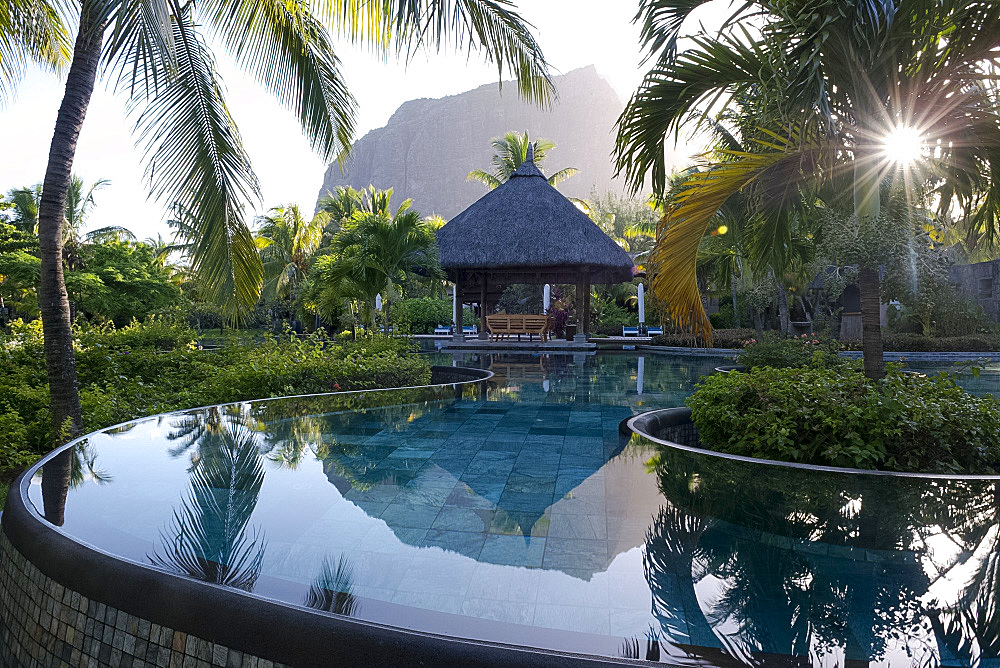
[490, 27]
[194, 152]
[562, 175]
[483, 177]
[291, 53]
[670, 96]
[688, 213]
[31, 31]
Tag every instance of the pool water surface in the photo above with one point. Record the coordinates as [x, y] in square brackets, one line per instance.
[515, 511]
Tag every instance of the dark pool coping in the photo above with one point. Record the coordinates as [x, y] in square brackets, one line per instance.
[651, 422]
[247, 622]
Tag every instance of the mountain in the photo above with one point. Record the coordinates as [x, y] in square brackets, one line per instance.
[429, 146]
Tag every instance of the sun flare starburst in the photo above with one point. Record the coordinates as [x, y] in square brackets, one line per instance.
[903, 145]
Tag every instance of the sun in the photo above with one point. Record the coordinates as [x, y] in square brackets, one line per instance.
[903, 145]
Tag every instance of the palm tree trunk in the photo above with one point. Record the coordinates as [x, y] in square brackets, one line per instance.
[782, 296]
[736, 308]
[53, 301]
[871, 322]
[867, 207]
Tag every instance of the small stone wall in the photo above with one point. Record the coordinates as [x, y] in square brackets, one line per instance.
[45, 625]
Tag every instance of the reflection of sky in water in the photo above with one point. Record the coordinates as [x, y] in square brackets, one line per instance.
[521, 516]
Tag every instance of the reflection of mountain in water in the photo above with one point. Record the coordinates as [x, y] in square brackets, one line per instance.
[493, 467]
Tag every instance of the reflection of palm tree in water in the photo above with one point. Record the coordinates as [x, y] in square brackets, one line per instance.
[332, 590]
[968, 627]
[68, 470]
[725, 521]
[207, 538]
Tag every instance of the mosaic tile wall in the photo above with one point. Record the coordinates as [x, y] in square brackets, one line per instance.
[45, 625]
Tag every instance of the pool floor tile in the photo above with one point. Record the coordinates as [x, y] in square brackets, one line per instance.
[519, 524]
[513, 550]
[453, 518]
[465, 543]
[575, 553]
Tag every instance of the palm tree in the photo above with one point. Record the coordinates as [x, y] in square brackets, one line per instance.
[287, 241]
[836, 78]
[510, 151]
[155, 54]
[25, 203]
[374, 254]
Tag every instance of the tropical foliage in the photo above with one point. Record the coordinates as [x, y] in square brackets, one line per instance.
[286, 241]
[510, 152]
[158, 58]
[147, 368]
[372, 257]
[839, 417]
[829, 82]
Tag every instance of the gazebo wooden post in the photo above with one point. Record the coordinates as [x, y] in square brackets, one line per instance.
[581, 305]
[483, 334]
[586, 304]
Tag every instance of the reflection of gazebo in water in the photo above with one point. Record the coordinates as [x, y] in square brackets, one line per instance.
[525, 231]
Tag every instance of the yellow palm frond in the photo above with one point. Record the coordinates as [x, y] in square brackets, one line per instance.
[690, 209]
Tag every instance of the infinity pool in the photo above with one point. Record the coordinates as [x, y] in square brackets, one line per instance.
[514, 511]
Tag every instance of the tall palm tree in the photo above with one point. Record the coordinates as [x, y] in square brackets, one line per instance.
[154, 53]
[510, 152]
[837, 77]
[287, 241]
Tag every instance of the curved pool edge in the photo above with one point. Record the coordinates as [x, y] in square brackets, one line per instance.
[649, 423]
[73, 602]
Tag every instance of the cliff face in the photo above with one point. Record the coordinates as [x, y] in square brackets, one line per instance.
[428, 147]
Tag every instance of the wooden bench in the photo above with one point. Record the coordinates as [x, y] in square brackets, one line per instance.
[502, 326]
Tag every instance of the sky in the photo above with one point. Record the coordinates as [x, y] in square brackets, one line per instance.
[572, 34]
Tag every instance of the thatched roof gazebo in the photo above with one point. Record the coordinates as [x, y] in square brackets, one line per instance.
[525, 231]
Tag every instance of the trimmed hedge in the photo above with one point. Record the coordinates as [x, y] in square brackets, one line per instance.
[917, 343]
[838, 417]
[155, 367]
[722, 338]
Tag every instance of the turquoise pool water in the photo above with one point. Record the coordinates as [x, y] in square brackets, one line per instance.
[516, 512]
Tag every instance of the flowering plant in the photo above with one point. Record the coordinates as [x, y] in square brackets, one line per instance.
[774, 350]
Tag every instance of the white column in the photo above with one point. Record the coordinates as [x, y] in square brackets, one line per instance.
[642, 304]
[546, 298]
[378, 302]
[639, 374]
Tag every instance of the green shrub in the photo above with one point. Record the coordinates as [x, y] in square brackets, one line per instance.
[837, 417]
[724, 318]
[152, 367]
[779, 351]
[422, 314]
[722, 338]
[917, 343]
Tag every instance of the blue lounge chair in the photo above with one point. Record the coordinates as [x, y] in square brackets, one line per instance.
[654, 331]
[630, 331]
[470, 329]
[442, 330]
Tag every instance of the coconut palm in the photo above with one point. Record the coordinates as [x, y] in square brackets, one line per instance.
[510, 151]
[155, 54]
[287, 241]
[837, 79]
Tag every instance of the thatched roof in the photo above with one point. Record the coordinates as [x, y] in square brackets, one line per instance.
[525, 229]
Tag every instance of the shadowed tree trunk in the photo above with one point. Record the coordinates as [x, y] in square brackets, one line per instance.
[782, 296]
[53, 301]
[871, 322]
[736, 309]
